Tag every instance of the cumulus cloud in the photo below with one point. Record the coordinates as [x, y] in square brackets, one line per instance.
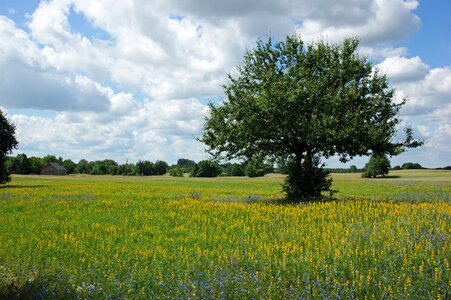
[28, 80]
[131, 130]
[136, 92]
[22, 86]
[182, 49]
[373, 21]
[427, 94]
[401, 69]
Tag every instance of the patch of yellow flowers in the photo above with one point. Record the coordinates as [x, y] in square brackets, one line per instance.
[130, 240]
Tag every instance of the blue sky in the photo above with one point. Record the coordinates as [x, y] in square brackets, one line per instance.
[433, 41]
[129, 81]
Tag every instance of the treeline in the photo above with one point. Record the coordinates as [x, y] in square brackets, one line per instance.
[21, 164]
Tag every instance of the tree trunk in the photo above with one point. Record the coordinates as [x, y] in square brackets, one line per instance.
[306, 179]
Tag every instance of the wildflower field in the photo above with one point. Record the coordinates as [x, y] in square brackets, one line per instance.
[180, 238]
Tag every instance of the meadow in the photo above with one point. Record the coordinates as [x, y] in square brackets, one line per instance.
[111, 237]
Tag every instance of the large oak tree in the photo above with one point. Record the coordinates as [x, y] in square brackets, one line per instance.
[7, 143]
[300, 103]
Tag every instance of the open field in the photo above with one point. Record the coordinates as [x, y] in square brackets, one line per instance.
[162, 237]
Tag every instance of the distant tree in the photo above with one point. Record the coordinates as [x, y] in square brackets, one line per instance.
[144, 168]
[255, 168]
[103, 167]
[235, 170]
[184, 162]
[411, 165]
[206, 168]
[69, 165]
[301, 103]
[176, 171]
[397, 167]
[160, 167]
[8, 142]
[20, 164]
[378, 164]
[353, 169]
[83, 167]
[49, 158]
[36, 164]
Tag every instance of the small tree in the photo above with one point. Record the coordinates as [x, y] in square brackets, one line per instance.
[160, 167]
[300, 103]
[206, 168]
[235, 170]
[378, 164]
[176, 171]
[255, 168]
[69, 165]
[411, 165]
[20, 164]
[36, 164]
[8, 142]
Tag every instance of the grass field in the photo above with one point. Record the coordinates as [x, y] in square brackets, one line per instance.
[161, 237]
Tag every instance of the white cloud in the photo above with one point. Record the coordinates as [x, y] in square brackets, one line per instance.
[28, 80]
[428, 94]
[136, 93]
[373, 21]
[400, 69]
[130, 130]
[442, 115]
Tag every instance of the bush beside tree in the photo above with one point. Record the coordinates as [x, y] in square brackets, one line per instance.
[378, 165]
[206, 168]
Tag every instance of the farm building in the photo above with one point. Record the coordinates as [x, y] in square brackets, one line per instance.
[53, 168]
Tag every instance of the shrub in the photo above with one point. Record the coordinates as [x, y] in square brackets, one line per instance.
[255, 169]
[206, 168]
[176, 172]
[411, 166]
[379, 164]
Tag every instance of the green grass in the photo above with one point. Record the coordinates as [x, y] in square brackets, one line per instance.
[162, 237]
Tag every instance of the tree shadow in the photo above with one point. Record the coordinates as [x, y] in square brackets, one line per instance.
[22, 186]
[384, 177]
[281, 201]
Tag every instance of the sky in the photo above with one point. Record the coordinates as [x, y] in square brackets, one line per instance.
[131, 80]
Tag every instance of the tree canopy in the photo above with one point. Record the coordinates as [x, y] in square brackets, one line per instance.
[379, 164]
[8, 142]
[300, 103]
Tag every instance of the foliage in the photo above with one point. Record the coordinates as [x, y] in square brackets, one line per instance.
[156, 239]
[255, 168]
[378, 164]
[69, 165]
[144, 168]
[19, 164]
[235, 169]
[411, 165]
[186, 165]
[8, 142]
[36, 164]
[306, 182]
[176, 172]
[353, 169]
[206, 168]
[48, 159]
[301, 103]
[161, 167]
